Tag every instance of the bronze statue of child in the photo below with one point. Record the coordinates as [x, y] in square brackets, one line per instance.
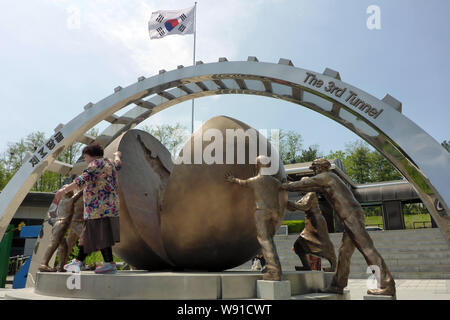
[314, 239]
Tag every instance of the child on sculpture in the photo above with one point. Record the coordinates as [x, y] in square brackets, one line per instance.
[314, 238]
[101, 229]
[267, 214]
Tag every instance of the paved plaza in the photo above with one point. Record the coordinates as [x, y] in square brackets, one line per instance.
[416, 289]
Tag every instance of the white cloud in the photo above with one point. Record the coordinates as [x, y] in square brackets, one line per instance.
[122, 26]
[73, 18]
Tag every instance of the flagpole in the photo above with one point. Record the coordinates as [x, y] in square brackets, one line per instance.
[193, 62]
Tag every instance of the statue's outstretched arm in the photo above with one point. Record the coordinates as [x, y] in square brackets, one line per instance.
[306, 184]
[291, 206]
[303, 204]
[230, 178]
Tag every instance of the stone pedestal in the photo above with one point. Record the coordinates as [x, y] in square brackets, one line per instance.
[376, 297]
[140, 284]
[328, 278]
[273, 290]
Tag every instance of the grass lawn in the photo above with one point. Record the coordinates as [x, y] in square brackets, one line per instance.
[93, 258]
[374, 221]
[409, 221]
[96, 257]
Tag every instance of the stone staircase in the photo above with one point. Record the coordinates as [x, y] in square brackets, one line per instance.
[409, 254]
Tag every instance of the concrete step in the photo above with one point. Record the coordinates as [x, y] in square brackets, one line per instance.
[380, 239]
[418, 255]
[427, 232]
[3, 292]
[403, 262]
[323, 296]
[409, 255]
[406, 275]
[405, 268]
[30, 294]
[407, 244]
[385, 244]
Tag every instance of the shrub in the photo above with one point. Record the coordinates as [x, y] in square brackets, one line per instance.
[294, 226]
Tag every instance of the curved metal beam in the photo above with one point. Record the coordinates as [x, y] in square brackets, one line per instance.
[412, 151]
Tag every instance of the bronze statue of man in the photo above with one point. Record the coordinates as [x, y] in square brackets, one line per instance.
[314, 239]
[351, 214]
[64, 214]
[266, 190]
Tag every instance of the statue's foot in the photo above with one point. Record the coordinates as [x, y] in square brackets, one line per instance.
[388, 291]
[272, 276]
[332, 289]
[328, 269]
[45, 268]
[61, 269]
[302, 268]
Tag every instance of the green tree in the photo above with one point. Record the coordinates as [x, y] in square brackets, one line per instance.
[3, 174]
[364, 165]
[309, 154]
[446, 145]
[290, 146]
[17, 152]
[357, 161]
[171, 136]
[339, 154]
[73, 153]
[381, 169]
[15, 155]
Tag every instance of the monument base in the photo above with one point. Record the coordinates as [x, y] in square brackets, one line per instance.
[273, 290]
[146, 285]
[324, 296]
[379, 297]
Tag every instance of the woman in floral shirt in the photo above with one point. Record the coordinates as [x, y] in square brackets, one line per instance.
[101, 228]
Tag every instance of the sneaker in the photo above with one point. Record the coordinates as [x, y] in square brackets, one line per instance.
[107, 268]
[74, 266]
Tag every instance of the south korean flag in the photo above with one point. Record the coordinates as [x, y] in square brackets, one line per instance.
[167, 22]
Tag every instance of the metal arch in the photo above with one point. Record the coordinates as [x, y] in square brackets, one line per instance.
[413, 152]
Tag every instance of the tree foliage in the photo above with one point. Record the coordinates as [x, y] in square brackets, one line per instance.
[290, 146]
[171, 136]
[16, 153]
[364, 165]
[446, 145]
[309, 154]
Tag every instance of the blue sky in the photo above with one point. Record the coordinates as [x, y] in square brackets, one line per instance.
[58, 55]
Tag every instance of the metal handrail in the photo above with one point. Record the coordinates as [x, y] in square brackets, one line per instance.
[15, 263]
